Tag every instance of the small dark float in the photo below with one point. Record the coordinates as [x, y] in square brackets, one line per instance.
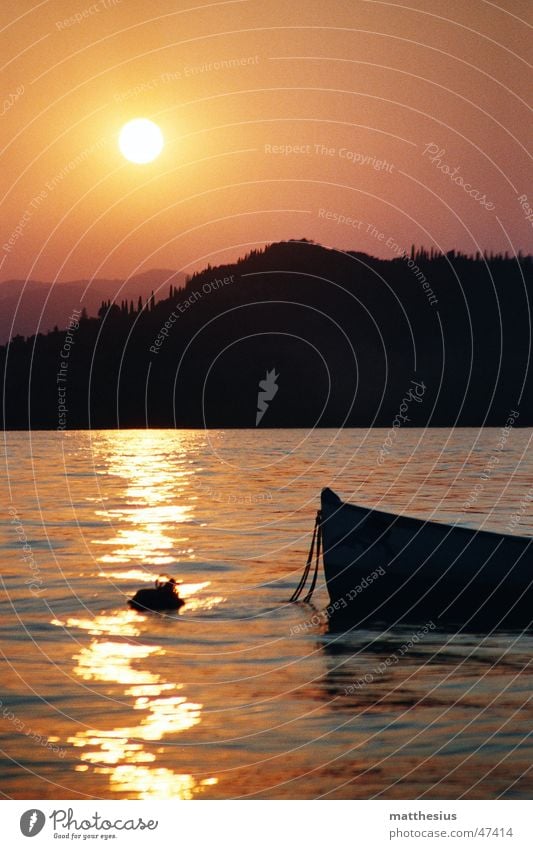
[165, 596]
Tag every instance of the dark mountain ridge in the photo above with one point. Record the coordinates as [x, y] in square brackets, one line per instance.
[420, 340]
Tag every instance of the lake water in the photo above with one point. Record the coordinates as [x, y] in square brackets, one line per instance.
[240, 694]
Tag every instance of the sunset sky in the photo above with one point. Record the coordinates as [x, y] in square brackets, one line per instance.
[356, 123]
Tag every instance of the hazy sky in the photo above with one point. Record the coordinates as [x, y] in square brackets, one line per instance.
[335, 121]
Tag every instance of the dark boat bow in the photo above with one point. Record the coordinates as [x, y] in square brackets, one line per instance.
[390, 568]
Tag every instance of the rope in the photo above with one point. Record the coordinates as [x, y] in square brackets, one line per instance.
[317, 537]
[317, 561]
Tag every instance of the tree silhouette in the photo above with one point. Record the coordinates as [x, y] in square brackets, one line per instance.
[344, 332]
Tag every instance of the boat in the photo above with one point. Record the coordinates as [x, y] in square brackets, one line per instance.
[389, 568]
[164, 596]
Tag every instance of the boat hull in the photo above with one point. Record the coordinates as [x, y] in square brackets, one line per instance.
[387, 568]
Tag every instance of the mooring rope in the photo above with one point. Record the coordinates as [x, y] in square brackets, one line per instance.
[317, 538]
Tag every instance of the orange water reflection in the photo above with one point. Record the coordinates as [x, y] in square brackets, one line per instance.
[156, 783]
[150, 530]
[145, 527]
[123, 622]
[127, 753]
[143, 708]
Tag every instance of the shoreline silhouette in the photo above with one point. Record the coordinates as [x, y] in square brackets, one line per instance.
[346, 335]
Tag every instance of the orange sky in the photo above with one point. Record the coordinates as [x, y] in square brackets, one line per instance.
[281, 119]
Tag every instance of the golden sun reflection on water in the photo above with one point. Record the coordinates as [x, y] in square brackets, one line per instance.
[139, 545]
[144, 529]
[126, 753]
[156, 783]
[124, 623]
[111, 661]
[148, 708]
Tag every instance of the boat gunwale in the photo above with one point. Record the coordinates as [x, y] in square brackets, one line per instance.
[414, 520]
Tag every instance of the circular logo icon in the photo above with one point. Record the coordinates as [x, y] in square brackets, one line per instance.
[32, 822]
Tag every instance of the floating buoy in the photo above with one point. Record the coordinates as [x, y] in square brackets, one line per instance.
[165, 596]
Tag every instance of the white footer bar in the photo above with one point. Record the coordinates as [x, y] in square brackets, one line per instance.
[268, 824]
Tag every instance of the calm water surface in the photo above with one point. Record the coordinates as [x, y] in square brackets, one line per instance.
[240, 695]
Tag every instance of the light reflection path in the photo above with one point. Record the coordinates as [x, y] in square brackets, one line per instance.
[143, 535]
[128, 753]
[145, 526]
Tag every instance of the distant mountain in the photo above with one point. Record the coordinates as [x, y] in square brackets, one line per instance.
[33, 307]
[295, 335]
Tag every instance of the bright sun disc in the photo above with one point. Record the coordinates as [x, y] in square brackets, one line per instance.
[140, 140]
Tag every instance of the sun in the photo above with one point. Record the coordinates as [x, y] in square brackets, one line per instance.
[140, 141]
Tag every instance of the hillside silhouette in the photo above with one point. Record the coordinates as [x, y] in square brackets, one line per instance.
[33, 306]
[337, 338]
